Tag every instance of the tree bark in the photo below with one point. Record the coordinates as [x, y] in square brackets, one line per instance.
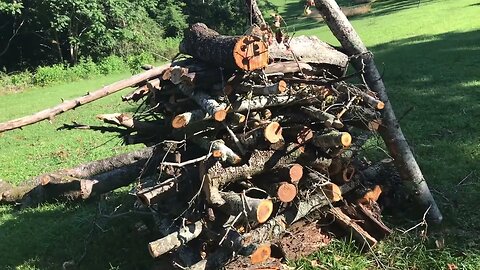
[98, 170]
[229, 52]
[75, 103]
[218, 176]
[175, 239]
[308, 49]
[390, 130]
[256, 15]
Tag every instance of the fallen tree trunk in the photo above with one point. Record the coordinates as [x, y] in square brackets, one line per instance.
[100, 169]
[390, 130]
[74, 189]
[72, 104]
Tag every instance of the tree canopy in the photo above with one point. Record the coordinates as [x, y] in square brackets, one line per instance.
[44, 32]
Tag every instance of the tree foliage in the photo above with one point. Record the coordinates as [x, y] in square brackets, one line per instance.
[46, 32]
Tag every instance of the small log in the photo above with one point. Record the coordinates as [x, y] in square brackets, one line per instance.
[216, 176]
[248, 52]
[210, 106]
[236, 118]
[364, 239]
[125, 120]
[332, 139]
[77, 102]
[272, 133]
[329, 120]
[288, 67]
[175, 239]
[155, 194]
[291, 172]
[308, 49]
[184, 119]
[64, 188]
[257, 210]
[261, 102]
[371, 195]
[225, 153]
[284, 191]
[299, 133]
[261, 254]
[176, 74]
[272, 89]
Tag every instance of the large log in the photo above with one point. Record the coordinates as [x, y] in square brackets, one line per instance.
[230, 52]
[91, 170]
[390, 130]
[308, 49]
[77, 102]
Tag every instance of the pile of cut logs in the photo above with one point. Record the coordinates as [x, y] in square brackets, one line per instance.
[246, 135]
[254, 135]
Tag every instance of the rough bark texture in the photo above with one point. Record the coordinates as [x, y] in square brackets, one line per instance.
[218, 176]
[261, 102]
[390, 129]
[228, 52]
[257, 210]
[256, 16]
[90, 170]
[175, 239]
[309, 50]
[72, 104]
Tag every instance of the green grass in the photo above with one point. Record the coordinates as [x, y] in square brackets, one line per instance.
[429, 54]
[40, 148]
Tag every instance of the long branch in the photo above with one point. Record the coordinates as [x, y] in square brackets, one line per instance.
[67, 105]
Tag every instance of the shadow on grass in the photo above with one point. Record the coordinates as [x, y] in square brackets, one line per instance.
[48, 236]
[436, 79]
[296, 21]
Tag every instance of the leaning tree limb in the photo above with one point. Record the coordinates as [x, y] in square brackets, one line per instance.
[77, 102]
[390, 130]
[256, 15]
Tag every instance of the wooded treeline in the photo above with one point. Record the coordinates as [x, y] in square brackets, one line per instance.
[44, 32]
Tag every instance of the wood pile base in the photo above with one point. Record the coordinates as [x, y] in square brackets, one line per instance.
[250, 138]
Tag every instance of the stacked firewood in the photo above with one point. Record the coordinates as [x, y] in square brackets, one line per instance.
[247, 136]
[252, 135]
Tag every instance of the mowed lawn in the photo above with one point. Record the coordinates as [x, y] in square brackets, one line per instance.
[429, 55]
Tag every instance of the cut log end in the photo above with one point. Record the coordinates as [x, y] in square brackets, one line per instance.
[264, 210]
[296, 173]
[346, 139]
[179, 121]
[286, 192]
[380, 105]
[282, 86]
[333, 192]
[305, 135]
[261, 254]
[250, 53]
[273, 132]
[220, 115]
